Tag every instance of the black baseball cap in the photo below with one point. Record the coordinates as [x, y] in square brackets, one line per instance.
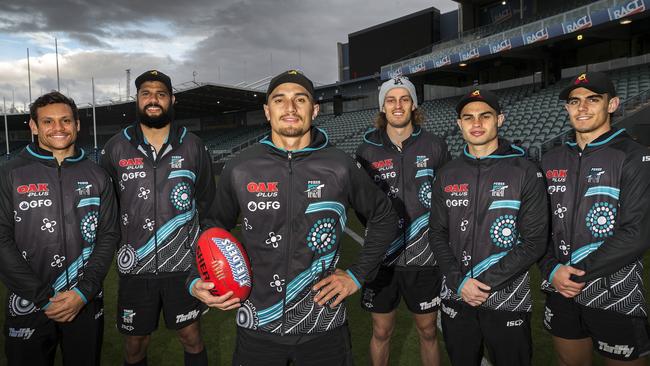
[291, 76]
[597, 82]
[478, 95]
[154, 75]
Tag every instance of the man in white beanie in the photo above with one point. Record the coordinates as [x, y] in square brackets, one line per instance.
[403, 158]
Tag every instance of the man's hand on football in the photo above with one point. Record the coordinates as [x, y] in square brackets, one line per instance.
[201, 290]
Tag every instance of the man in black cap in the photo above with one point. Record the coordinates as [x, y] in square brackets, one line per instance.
[599, 189]
[163, 177]
[293, 191]
[488, 225]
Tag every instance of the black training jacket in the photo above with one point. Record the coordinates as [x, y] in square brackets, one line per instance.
[489, 221]
[600, 198]
[406, 176]
[58, 228]
[293, 208]
[162, 198]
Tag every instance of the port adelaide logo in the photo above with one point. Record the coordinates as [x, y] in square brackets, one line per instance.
[314, 189]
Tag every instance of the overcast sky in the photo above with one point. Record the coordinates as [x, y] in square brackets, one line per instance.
[226, 42]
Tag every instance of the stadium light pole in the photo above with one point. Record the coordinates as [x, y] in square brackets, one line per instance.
[29, 87]
[92, 80]
[4, 109]
[56, 50]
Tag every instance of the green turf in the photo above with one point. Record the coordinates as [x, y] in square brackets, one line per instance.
[218, 328]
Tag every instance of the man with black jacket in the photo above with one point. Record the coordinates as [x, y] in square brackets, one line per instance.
[403, 158]
[599, 189]
[58, 233]
[489, 224]
[293, 191]
[165, 187]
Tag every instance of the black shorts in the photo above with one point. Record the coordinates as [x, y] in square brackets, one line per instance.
[419, 288]
[140, 300]
[32, 339]
[466, 329]
[614, 335]
[331, 348]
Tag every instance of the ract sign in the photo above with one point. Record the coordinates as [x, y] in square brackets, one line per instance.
[468, 55]
[540, 35]
[443, 62]
[631, 8]
[501, 46]
[576, 25]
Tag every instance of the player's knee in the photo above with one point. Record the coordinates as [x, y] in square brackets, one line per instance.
[136, 347]
[190, 338]
[382, 333]
[427, 332]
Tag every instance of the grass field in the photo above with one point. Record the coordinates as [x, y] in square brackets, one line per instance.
[219, 328]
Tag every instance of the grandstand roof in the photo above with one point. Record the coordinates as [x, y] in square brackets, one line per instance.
[211, 99]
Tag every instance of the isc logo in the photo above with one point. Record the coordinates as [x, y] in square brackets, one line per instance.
[514, 323]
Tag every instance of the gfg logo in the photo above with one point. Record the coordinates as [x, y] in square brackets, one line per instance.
[384, 176]
[26, 205]
[457, 203]
[556, 189]
[271, 205]
[133, 175]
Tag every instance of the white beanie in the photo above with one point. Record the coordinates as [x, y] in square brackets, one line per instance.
[397, 82]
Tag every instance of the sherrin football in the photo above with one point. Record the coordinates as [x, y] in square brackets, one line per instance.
[221, 259]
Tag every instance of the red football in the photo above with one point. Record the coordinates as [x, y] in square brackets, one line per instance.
[221, 259]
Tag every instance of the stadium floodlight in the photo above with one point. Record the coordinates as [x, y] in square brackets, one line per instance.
[579, 37]
[625, 21]
[503, 2]
[462, 64]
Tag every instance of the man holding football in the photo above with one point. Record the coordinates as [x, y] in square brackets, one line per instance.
[292, 191]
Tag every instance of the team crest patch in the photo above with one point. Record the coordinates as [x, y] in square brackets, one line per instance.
[421, 161]
[176, 162]
[314, 188]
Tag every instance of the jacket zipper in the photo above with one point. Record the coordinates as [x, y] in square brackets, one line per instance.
[62, 221]
[401, 193]
[474, 225]
[287, 254]
[155, 209]
[575, 209]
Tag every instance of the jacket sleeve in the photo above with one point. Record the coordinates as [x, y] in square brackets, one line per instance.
[548, 262]
[532, 224]
[107, 239]
[105, 161]
[15, 273]
[381, 225]
[224, 211]
[205, 189]
[632, 231]
[362, 160]
[439, 239]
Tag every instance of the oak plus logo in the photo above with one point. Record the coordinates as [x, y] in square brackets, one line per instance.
[557, 176]
[33, 190]
[383, 169]
[263, 189]
[131, 163]
[458, 194]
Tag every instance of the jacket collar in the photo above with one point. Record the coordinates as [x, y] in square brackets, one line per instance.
[379, 137]
[504, 151]
[319, 140]
[35, 153]
[602, 140]
[133, 133]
